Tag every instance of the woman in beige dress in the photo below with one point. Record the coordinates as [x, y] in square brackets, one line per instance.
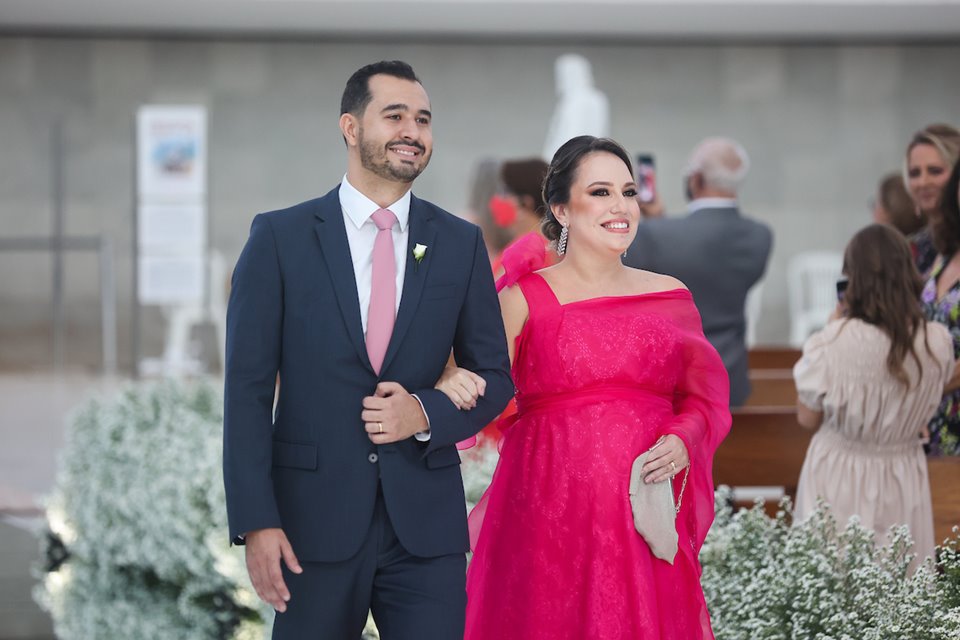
[870, 380]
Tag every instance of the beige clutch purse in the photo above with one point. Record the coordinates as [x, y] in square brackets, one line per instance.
[654, 513]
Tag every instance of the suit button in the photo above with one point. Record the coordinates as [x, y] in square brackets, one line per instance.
[372, 458]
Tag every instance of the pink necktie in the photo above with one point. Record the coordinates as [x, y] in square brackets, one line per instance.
[383, 289]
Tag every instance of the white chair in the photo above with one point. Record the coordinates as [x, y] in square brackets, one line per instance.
[812, 291]
[752, 309]
[177, 358]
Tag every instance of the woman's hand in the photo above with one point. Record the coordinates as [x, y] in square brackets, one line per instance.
[668, 457]
[463, 387]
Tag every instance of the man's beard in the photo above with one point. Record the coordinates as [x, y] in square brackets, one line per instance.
[376, 160]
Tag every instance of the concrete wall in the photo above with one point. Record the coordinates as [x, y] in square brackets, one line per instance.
[821, 122]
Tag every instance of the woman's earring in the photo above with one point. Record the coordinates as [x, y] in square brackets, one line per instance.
[562, 242]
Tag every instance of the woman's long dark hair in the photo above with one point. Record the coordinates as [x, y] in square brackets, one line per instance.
[884, 290]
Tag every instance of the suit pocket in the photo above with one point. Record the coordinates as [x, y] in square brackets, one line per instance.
[294, 455]
[445, 457]
[439, 291]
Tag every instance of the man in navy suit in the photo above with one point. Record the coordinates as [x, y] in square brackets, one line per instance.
[348, 496]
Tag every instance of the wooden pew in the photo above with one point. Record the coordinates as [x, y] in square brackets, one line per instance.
[772, 358]
[945, 493]
[766, 447]
[772, 388]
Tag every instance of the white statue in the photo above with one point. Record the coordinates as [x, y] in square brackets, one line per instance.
[582, 109]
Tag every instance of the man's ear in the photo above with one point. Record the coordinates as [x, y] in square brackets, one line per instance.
[349, 126]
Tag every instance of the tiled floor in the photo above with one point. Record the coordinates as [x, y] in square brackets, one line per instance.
[34, 408]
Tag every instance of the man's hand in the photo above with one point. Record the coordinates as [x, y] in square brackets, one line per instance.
[265, 548]
[392, 414]
[652, 209]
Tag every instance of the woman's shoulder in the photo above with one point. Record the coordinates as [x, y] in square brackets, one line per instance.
[643, 281]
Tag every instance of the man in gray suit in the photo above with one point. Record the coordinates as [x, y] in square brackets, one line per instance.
[718, 253]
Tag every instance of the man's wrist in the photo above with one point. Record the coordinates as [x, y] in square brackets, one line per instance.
[423, 435]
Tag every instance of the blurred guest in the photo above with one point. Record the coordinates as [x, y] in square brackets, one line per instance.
[484, 185]
[870, 380]
[941, 302]
[715, 250]
[930, 155]
[520, 210]
[894, 206]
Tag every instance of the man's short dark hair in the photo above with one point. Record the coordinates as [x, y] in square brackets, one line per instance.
[356, 95]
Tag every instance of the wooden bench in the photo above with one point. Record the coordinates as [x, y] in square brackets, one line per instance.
[945, 494]
[772, 387]
[772, 358]
[766, 447]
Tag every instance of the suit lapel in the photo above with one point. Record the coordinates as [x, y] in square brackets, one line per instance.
[336, 252]
[422, 231]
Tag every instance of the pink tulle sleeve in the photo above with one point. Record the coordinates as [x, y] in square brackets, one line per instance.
[525, 255]
[702, 415]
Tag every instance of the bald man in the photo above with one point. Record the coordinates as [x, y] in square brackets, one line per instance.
[717, 252]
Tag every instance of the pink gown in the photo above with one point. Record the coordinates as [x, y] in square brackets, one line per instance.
[556, 554]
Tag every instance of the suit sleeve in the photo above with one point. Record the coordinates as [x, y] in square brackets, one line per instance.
[480, 345]
[254, 321]
[640, 252]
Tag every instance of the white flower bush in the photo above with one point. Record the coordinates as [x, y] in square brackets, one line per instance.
[138, 544]
[767, 580]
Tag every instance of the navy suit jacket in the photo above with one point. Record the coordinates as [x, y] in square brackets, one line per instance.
[719, 254]
[310, 467]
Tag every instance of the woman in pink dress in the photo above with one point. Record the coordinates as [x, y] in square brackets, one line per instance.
[608, 362]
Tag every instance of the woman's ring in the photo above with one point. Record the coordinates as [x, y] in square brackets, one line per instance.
[673, 466]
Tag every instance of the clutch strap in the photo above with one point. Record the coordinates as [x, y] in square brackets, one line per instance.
[683, 486]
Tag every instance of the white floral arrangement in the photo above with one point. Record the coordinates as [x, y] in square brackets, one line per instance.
[137, 544]
[766, 579]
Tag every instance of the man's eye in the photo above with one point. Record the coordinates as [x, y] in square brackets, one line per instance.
[423, 120]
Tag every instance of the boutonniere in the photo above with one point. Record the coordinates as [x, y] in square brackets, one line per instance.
[419, 251]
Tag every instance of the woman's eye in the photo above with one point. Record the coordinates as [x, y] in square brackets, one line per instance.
[599, 192]
[630, 193]
[935, 171]
[913, 173]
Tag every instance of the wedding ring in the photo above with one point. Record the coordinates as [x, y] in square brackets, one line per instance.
[673, 466]
[380, 426]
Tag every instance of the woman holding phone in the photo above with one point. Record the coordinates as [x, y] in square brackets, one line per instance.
[869, 381]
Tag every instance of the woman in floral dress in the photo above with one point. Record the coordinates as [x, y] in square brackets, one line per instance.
[941, 303]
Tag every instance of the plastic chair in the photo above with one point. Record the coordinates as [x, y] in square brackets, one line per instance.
[812, 291]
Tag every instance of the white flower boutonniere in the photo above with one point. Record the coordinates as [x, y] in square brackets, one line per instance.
[419, 251]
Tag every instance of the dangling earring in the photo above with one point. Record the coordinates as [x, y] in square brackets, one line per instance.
[562, 242]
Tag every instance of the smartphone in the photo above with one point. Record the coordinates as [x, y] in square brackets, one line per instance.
[841, 288]
[646, 178]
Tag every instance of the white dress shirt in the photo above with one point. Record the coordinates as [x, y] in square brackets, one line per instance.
[361, 232]
[358, 210]
[711, 203]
